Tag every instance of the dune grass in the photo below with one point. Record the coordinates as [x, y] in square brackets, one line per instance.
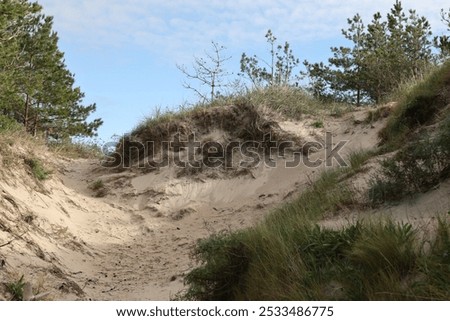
[82, 149]
[241, 113]
[291, 102]
[417, 167]
[418, 106]
[37, 169]
[16, 289]
[289, 256]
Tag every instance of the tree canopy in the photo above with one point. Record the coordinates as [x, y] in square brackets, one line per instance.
[382, 54]
[36, 88]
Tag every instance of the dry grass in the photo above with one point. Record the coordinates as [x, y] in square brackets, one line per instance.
[20, 150]
[242, 122]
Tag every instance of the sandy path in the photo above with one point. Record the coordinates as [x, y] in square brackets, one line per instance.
[165, 219]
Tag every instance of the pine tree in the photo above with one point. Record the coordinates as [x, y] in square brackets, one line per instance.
[383, 54]
[443, 42]
[348, 76]
[38, 88]
[15, 17]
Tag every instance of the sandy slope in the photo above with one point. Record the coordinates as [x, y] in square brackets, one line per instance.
[135, 243]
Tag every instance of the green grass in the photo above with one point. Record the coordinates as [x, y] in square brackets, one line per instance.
[16, 289]
[96, 185]
[270, 248]
[362, 261]
[377, 114]
[37, 169]
[417, 167]
[293, 102]
[317, 124]
[422, 158]
[418, 106]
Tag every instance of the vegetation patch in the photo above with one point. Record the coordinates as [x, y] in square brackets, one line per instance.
[68, 148]
[293, 102]
[242, 122]
[226, 260]
[418, 167]
[8, 124]
[363, 261]
[317, 124]
[96, 185]
[16, 289]
[99, 188]
[418, 107]
[289, 256]
[377, 114]
[37, 169]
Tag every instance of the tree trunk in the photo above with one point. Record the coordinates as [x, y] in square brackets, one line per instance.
[358, 97]
[36, 120]
[27, 112]
[35, 125]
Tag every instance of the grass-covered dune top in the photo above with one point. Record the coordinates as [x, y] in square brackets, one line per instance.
[242, 117]
[235, 123]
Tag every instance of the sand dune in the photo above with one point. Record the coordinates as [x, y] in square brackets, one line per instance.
[134, 243]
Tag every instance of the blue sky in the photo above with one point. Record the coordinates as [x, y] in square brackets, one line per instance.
[124, 52]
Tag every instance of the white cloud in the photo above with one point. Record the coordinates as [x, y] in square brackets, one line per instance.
[175, 26]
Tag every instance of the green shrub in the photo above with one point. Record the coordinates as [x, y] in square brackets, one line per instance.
[224, 263]
[358, 158]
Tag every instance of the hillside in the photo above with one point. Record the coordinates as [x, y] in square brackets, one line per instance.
[92, 229]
